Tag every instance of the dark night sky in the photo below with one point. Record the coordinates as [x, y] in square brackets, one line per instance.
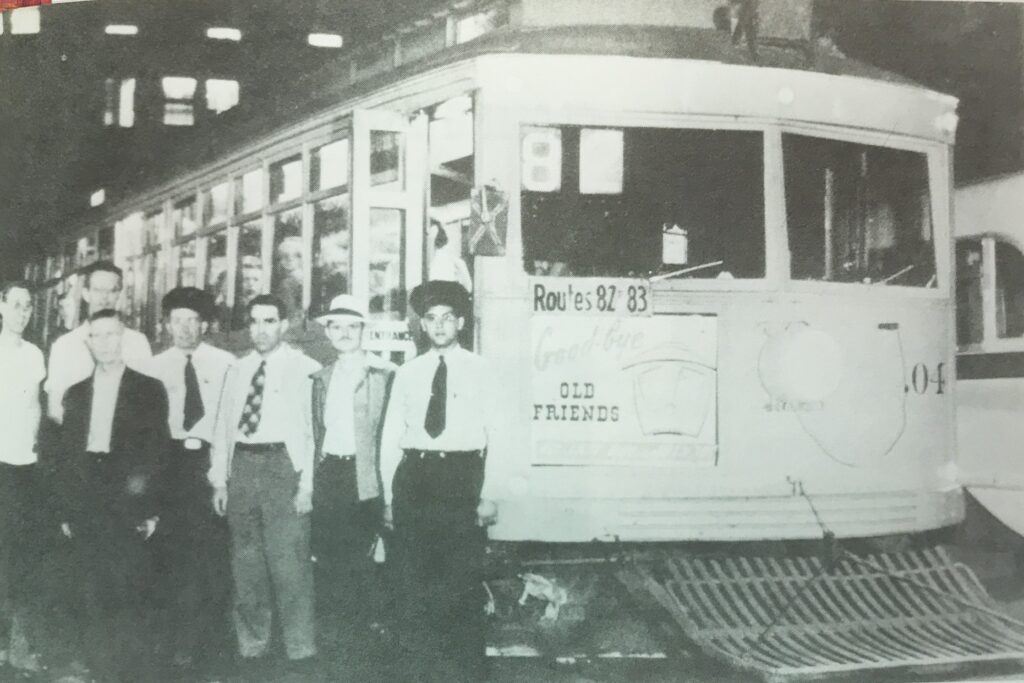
[54, 149]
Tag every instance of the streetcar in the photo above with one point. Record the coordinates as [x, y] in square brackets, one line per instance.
[718, 290]
[990, 339]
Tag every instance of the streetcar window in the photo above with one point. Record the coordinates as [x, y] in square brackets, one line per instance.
[183, 217]
[634, 202]
[329, 166]
[249, 281]
[286, 180]
[217, 275]
[215, 203]
[249, 192]
[858, 213]
[186, 276]
[154, 233]
[1009, 291]
[105, 243]
[451, 182]
[286, 279]
[332, 245]
[970, 328]
[387, 257]
[387, 152]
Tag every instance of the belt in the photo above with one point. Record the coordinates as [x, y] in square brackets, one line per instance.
[343, 458]
[260, 447]
[190, 444]
[425, 455]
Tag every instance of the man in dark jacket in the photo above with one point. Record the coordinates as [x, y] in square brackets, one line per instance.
[349, 397]
[114, 441]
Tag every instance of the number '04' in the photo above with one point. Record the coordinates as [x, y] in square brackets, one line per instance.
[923, 378]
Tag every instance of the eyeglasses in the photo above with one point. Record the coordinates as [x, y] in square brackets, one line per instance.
[444, 319]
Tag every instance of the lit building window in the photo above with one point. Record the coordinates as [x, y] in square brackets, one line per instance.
[221, 33]
[110, 95]
[25, 20]
[325, 40]
[221, 94]
[179, 93]
[98, 197]
[121, 30]
[126, 103]
[119, 102]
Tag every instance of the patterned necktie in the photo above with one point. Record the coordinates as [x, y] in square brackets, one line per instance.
[193, 398]
[435, 419]
[250, 421]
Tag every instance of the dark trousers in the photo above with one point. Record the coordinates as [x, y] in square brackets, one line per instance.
[117, 580]
[19, 528]
[194, 559]
[438, 552]
[344, 530]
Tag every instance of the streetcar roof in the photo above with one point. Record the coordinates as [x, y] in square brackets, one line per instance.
[323, 89]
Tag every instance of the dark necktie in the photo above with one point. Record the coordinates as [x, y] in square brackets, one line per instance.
[250, 421]
[434, 422]
[193, 398]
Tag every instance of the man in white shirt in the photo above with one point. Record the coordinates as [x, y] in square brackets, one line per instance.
[194, 543]
[262, 473]
[442, 438]
[70, 360]
[21, 373]
[349, 397]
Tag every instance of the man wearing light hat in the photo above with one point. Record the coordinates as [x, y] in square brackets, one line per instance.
[349, 397]
[194, 546]
[443, 437]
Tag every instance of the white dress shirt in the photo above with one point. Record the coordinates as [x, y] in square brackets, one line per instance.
[339, 408]
[211, 366]
[106, 385]
[473, 413]
[21, 371]
[285, 414]
[71, 362]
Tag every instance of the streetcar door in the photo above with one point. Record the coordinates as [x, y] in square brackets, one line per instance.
[388, 176]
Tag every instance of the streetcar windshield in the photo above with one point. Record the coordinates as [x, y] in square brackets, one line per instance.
[635, 202]
[858, 213]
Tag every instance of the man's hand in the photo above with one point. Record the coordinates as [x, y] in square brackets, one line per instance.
[147, 528]
[303, 502]
[65, 529]
[220, 500]
[486, 513]
[388, 518]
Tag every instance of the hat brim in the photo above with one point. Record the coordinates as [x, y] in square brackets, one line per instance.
[342, 317]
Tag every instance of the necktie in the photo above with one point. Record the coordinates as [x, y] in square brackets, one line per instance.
[193, 398]
[250, 421]
[434, 422]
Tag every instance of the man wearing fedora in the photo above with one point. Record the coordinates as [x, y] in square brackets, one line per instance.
[443, 436]
[349, 397]
[194, 543]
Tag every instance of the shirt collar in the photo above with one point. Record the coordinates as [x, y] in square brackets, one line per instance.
[277, 354]
[109, 376]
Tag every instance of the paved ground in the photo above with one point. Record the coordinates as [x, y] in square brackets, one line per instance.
[994, 555]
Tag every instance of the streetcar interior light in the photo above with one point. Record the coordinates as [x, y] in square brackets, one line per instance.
[121, 30]
[332, 40]
[98, 197]
[25, 20]
[223, 33]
